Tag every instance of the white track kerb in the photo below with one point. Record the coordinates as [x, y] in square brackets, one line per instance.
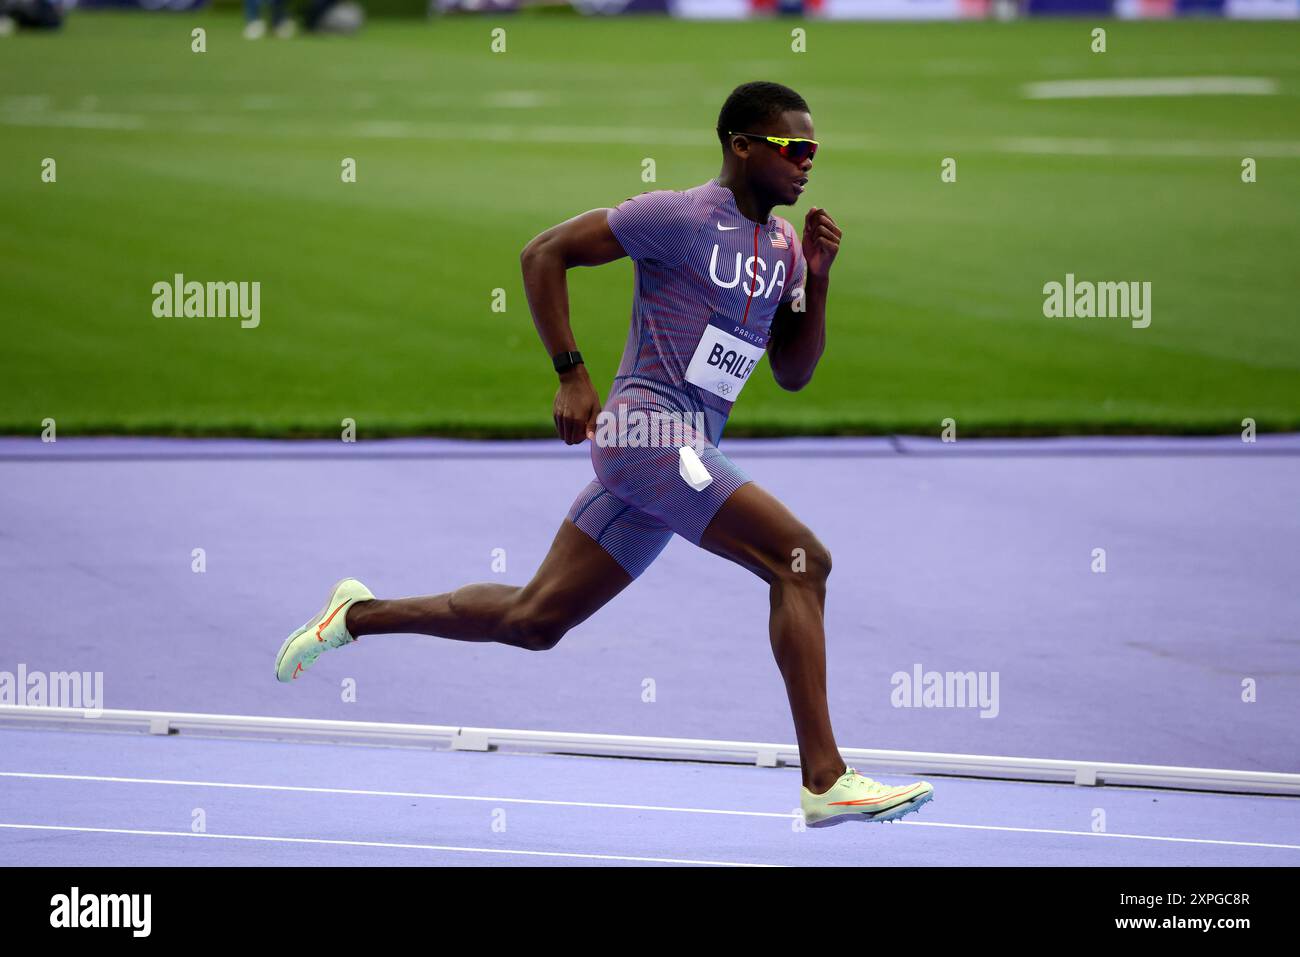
[450, 737]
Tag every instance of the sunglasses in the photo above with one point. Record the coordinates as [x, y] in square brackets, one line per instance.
[793, 148]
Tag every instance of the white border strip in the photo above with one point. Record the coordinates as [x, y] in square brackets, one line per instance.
[763, 754]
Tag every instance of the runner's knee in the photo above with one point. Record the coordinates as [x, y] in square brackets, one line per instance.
[808, 562]
[534, 627]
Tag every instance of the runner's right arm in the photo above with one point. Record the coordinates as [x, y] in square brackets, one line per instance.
[584, 240]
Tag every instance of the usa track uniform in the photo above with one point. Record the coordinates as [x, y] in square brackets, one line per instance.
[708, 283]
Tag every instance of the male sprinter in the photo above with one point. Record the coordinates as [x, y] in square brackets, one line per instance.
[719, 281]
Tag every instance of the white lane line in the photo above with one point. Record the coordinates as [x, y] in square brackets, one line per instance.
[404, 794]
[1151, 86]
[1131, 837]
[625, 807]
[386, 844]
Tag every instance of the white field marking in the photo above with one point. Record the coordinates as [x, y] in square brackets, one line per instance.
[628, 807]
[1151, 86]
[18, 102]
[408, 130]
[178, 103]
[514, 99]
[84, 121]
[1131, 837]
[218, 125]
[1058, 146]
[164, 103]
[387, 844]
[502, 133]
[372, 793]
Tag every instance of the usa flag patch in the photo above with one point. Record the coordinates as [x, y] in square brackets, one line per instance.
[778, 239]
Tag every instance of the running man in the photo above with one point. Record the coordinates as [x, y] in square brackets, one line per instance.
[720, 281]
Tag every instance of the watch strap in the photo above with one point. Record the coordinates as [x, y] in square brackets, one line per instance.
[564, 361]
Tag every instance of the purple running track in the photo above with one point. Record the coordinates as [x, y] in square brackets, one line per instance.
[970, 557]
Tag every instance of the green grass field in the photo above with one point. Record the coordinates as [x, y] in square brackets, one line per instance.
[376, 296]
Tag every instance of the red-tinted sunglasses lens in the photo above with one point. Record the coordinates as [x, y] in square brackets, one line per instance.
[799, 151]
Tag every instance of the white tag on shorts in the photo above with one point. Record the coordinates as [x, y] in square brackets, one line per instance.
[726, 355]
[694, 472]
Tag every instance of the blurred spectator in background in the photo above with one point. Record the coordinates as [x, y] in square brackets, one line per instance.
[333, 16]
[255, 26]
[33, 14]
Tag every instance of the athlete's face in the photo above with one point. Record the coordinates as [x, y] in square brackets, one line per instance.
[768, 172]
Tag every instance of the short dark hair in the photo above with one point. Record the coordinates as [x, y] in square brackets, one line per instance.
[752, 104]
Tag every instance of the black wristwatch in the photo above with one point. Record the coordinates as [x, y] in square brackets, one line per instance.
[564, 361]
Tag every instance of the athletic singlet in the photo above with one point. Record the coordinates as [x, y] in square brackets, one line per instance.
[708, 282]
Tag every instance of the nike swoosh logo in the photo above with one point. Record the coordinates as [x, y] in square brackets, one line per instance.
[321, 627]
[723, 228]
[866, 802]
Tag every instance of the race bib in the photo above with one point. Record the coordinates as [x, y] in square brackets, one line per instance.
[726, 355]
